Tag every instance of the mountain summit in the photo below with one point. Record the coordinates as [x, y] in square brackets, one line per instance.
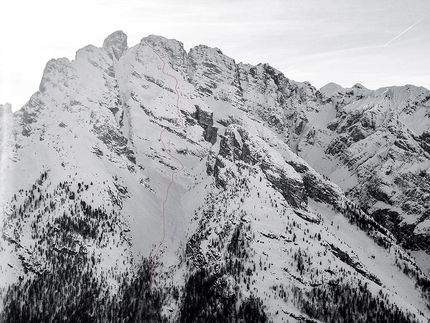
[294, 204]
[117, 43]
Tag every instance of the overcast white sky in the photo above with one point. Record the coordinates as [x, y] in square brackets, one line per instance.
[373, 42]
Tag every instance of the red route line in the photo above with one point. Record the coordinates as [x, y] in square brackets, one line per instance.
[172, 181]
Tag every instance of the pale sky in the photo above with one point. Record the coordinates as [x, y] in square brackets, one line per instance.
[373, 42]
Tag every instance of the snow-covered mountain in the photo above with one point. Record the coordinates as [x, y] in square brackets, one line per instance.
[293, 204]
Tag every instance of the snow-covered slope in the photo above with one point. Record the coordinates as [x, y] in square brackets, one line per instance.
[254, 228]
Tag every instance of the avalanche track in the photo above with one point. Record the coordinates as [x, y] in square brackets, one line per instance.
[172, 181]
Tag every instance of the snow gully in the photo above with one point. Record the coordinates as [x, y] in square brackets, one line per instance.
[172, 181]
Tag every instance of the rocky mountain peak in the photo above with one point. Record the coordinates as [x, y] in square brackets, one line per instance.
[55, 74]
[172, 48]
[358, 86]
[116, 43]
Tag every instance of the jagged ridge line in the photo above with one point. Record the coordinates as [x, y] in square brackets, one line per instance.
[172, 181]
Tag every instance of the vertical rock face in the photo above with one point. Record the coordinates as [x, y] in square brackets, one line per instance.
[256, 228]
[213, 73]
[205, 120]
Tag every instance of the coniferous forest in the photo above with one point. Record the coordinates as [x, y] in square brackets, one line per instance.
[63, 283]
